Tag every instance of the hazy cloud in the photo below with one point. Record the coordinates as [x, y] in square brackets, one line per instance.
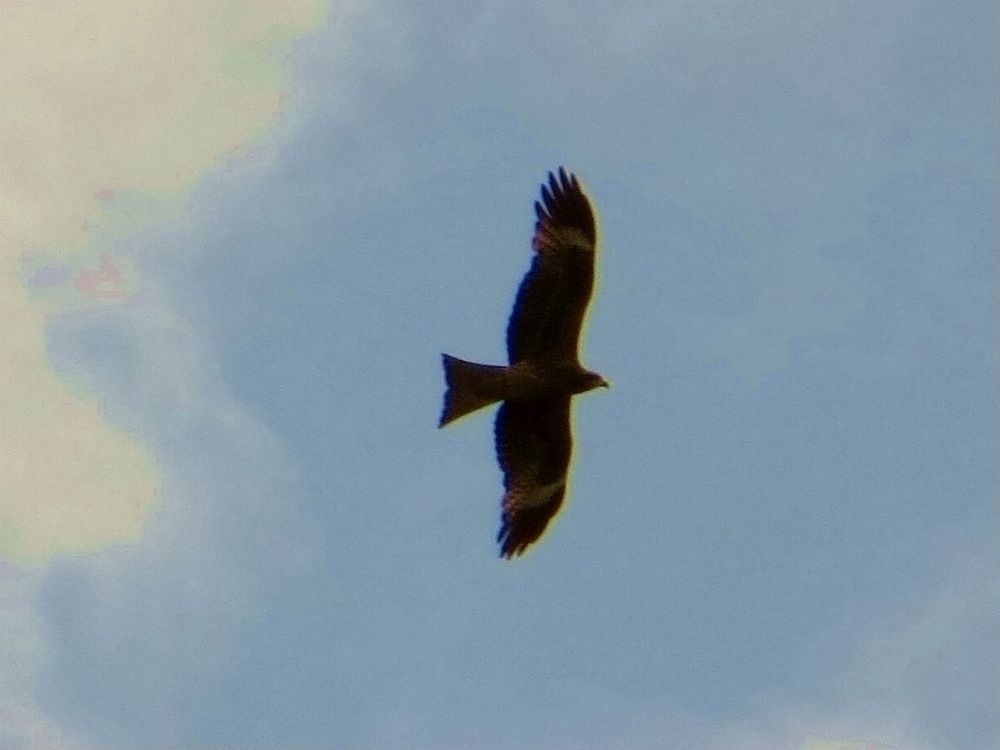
[118, 110]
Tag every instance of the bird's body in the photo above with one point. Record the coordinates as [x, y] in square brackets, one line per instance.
[481, 385]
[533, 436]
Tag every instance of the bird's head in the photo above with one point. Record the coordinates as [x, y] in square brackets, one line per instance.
[590, 380]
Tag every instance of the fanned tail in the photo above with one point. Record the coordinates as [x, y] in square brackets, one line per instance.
[471, 386]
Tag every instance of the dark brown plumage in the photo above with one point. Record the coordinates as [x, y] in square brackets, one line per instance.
[533, 435]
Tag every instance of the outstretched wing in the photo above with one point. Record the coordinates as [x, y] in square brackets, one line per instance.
[533, 443]
[552, 299]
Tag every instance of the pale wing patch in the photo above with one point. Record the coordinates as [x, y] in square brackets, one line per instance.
[532, 495]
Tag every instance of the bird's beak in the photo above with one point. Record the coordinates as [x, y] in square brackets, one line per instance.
[604, 383]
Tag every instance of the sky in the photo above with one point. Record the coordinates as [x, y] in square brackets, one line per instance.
[237, 236]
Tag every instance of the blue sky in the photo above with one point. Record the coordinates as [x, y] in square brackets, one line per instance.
[230, 520]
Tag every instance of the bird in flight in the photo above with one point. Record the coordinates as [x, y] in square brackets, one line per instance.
[532, 431]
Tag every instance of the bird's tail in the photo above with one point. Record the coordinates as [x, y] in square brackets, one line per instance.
[471, 386]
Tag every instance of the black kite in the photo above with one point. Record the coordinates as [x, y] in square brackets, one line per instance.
[533, 438]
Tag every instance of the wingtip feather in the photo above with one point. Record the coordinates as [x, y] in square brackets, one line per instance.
[563, 203]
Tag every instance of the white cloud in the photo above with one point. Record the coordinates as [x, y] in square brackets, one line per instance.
[115, 111]
[119, 108]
